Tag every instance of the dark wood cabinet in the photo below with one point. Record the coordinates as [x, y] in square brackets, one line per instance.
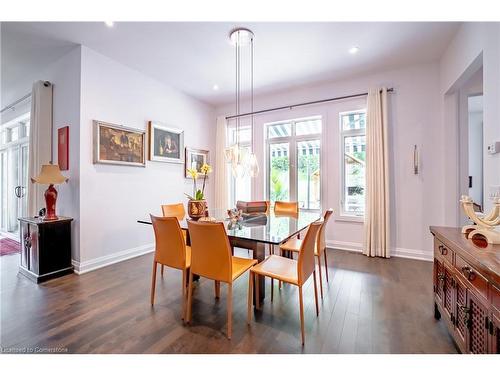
[45, 248]
[466, 290]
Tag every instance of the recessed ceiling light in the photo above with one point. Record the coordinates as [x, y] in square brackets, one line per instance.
[215, 87]
[353, 50]
[109, 23]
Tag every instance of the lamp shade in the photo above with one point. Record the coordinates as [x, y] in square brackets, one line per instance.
[50, 175]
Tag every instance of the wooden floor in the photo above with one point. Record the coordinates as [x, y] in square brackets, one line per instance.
[370, 306]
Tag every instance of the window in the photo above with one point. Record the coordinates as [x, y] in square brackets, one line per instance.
[294, 162]
[240, 189]
[352, 125]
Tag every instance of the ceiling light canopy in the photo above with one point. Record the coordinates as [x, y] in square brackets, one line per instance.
[241, 37]
[353, 50]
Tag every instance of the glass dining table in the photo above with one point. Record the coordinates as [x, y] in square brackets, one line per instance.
[255, 231]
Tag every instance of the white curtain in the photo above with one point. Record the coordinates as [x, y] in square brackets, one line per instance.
[221, 198]
[377, 176]
[40, 139]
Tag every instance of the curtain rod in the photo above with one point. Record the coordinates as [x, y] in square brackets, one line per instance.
[301, 105]
[12, 105]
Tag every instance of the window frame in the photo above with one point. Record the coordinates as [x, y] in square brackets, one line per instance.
[292, 141]
[349, 216]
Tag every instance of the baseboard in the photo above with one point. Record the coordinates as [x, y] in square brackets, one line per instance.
[395, 252]
[93, 264]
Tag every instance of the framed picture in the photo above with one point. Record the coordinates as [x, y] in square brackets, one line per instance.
[195, 158]
[165, 143]
[63, 148]
[116, 144]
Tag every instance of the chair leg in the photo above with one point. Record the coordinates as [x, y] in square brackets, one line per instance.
[320, 276]
[272, 289]
[190, 298]
[301, 302]
[250, 296]
[316, 293]
[326, 265]
[229, 310]
[257, 296]
[184, 293]
[217, 289]
[153, 283]
[162, 270]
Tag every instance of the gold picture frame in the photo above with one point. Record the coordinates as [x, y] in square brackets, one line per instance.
[118, 145]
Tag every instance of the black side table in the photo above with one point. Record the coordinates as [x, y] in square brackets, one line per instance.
[45, 248]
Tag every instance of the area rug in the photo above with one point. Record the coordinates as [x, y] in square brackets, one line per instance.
[8, 246]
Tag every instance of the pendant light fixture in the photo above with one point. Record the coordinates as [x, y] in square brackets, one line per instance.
[242, 163]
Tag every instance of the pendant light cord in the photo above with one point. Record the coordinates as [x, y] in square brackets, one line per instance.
[251, 91]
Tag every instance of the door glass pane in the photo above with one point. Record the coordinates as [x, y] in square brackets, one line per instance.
[308, 174]
[311, 126]
[354, 174]
[279, 165]
[279, 130]
[3, 190]
[12, 182]
[353, 121]
[24, 181]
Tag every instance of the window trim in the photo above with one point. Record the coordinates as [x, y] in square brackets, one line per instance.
[344, 215]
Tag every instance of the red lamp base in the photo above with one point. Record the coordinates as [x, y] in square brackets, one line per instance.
[50, 203]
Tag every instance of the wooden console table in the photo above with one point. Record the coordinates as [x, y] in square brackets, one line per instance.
[467, 290]
[45, 248]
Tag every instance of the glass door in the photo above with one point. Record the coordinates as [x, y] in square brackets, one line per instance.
[14, 175]
[294, 149]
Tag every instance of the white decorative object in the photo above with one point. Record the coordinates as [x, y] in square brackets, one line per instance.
[484, 227]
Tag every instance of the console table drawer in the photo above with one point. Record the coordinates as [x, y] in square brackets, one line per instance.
[443, 251]
[472, 276]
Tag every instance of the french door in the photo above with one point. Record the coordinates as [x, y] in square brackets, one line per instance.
[294, 149]
[13, 186]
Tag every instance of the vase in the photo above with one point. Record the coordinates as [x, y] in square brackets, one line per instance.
[197, 208]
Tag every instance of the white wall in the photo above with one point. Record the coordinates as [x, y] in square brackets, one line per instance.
[415, 118]
[474, 43]
[113, 197]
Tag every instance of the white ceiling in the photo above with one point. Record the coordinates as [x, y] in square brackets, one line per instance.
[194, 56]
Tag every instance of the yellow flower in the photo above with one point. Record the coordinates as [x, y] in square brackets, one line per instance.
[193, 173]
[206, 169]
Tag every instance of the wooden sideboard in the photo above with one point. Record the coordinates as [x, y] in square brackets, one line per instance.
[467, 290]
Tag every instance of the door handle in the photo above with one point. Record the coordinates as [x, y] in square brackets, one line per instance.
[17, 191]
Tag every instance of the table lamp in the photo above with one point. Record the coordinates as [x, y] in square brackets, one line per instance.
[50, 175]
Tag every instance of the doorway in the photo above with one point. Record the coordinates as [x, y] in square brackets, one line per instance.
[475, 150]
[14, 157]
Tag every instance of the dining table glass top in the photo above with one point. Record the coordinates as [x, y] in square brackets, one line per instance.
[260, 227]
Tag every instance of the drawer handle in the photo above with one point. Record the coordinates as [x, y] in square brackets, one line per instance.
[27, 242]
[466, 311]
[443, 250]
[470, 274]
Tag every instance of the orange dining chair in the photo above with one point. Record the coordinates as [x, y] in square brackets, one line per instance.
[291, 271]
[212, 258]
[286, 208]
[295, 244]
[177, 210]
[174, 210]
[171, 251]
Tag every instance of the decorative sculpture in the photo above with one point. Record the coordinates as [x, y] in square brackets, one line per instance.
[483, 227]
